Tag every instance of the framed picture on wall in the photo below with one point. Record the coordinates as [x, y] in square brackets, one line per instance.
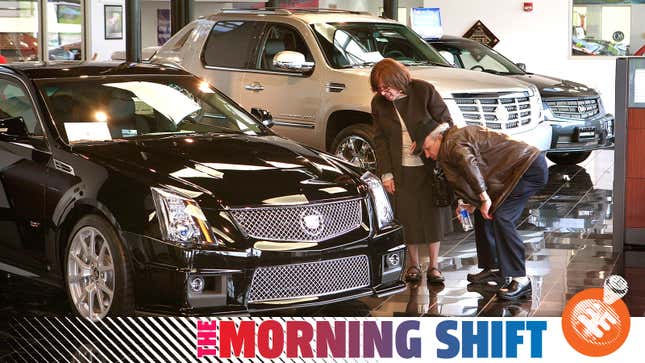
[163, 26]
[113, 22]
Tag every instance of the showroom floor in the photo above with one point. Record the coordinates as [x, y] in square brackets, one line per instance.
[567, 230]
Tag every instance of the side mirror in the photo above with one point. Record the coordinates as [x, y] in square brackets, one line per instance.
[13, 128]
[291, 61]
[521, 66]
[263, 116]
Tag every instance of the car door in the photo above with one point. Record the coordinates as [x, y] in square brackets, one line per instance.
[228, 52]
[23, 169]
[292, 98]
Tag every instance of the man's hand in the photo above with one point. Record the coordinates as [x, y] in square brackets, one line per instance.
[389, 185]
[486, 203]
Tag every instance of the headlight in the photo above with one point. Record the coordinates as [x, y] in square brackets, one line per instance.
[181, 219]
[382, 206]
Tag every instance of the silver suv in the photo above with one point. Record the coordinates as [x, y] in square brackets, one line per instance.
[310, 69]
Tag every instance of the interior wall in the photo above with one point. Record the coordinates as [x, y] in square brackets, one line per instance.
[540, 38]
[97, 44]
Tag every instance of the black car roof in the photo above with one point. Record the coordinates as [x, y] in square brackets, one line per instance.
[67, 70]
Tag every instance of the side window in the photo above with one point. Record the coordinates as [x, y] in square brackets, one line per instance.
[231, 44]
[281, 37]
[15, 102]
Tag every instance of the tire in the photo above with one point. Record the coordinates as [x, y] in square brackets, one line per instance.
[104, 269]
[355, 143]
[570, 158]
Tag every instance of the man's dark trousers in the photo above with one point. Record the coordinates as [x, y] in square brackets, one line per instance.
[498, 243]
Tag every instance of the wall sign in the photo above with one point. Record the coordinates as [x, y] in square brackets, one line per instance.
[480, 33]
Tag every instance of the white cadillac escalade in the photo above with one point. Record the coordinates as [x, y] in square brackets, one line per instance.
[310, 69]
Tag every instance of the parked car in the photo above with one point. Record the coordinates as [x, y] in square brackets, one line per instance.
[310, 69]
[142, 186]
[574, 111]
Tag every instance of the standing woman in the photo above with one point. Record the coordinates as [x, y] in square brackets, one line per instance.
[405, 110]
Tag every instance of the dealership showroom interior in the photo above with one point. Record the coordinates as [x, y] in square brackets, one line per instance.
[250, 158]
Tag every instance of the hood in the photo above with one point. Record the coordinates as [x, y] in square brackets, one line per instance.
[231, 170]
[448, 80]
[551, 87]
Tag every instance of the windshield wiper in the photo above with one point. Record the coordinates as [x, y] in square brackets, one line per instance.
[426, 63]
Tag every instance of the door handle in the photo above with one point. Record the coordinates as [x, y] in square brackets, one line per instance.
[255, 86]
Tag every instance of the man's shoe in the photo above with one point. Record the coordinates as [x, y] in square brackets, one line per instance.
[515, 290]
[485, 276]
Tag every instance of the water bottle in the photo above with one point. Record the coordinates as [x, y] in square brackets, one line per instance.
[464, 217]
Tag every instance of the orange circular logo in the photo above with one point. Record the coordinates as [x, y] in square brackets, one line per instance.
[595, 322]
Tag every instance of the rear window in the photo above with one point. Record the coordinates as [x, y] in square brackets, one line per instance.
[231, 44]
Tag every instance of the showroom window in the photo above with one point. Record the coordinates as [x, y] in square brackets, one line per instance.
[607, 27]
[231, 44]
[21, 30]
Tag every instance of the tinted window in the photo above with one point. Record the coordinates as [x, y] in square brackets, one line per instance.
[279, 38]
[232, 43]
[15, 102]
[120, 108]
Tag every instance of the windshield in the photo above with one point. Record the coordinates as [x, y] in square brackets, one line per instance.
[475, 56]
[349, 45]
[118, 108]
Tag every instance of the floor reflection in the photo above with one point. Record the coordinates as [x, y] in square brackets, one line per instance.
[567, 230]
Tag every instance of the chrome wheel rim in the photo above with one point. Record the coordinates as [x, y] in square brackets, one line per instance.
[90, 273]
[358, 151]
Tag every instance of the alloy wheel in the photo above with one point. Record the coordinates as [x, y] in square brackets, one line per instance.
[90, 273]
[357, 151]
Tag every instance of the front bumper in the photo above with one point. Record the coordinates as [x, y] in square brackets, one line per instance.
[163, 280]
[539, 137]
[573, 136]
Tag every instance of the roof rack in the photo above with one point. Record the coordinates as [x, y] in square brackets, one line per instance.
[291, 11]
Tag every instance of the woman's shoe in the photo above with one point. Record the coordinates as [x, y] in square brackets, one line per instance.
[413, 273]
[434, 279]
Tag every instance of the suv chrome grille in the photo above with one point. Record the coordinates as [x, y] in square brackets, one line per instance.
[495, 111]
[309, 279]
[300, 223]
[580, 109]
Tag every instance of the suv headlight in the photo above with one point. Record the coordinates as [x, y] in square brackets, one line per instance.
[181, 219]
[382, 207]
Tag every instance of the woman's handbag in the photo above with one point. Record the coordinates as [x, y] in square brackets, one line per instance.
[441, 189]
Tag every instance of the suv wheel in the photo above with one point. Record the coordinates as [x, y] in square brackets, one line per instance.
[569, 158]
[96, 273]
[355, 144]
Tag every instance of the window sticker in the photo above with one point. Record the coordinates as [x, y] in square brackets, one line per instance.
[87, 131]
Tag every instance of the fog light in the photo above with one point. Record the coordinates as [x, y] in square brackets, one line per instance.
[197, 284]
[393, 260]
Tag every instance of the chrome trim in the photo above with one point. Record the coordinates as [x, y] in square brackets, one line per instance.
[63, 167]
[335, 87]
[293, 124]
[309, 279]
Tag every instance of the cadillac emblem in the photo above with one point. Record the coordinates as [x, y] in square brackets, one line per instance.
[312, 222]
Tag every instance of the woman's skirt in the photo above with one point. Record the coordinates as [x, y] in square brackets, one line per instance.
[414, 207]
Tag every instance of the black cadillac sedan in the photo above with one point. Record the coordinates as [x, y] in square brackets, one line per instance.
[141, 187]
[575, 112]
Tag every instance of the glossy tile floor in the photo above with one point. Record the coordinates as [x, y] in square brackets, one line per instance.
[567, 230]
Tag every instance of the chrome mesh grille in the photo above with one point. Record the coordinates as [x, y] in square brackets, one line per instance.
[497, 112]
[309, 279]
[580, 109]
[300, 223]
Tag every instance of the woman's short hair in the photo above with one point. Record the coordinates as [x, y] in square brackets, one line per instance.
[389, 73]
